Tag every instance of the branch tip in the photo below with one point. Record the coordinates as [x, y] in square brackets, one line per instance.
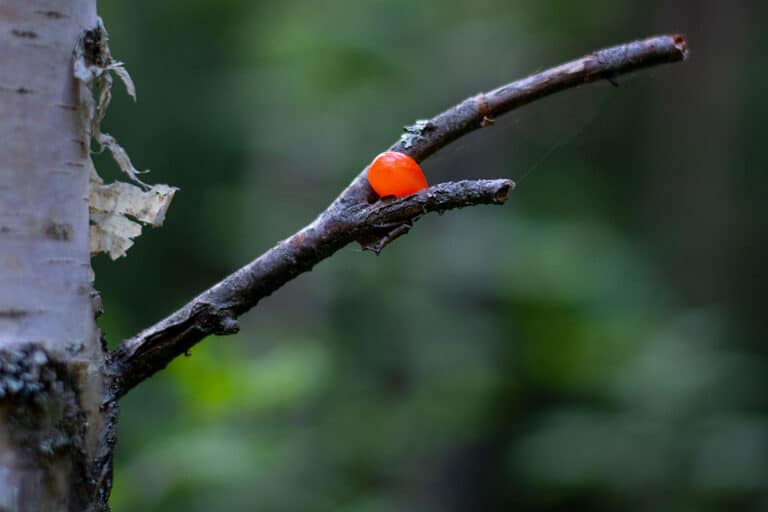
[501, 195]
[681, 45]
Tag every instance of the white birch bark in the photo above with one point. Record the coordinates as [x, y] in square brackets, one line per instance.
[51, 361]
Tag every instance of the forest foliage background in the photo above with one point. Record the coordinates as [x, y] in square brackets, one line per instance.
[598, 342]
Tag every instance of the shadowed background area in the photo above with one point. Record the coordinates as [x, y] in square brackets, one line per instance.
[597, 343]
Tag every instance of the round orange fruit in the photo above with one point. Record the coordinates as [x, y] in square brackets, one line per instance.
[395, 174]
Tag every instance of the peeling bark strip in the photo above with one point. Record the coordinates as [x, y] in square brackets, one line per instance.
[355, 215]
[111, 231]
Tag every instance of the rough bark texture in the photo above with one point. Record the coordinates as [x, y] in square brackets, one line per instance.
[55, 433]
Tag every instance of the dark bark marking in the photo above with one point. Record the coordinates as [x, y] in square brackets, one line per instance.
[54, 15]
[24, 34]
[13, 313]
[56, 231]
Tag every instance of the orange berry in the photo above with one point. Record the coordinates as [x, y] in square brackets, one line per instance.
[395, 174]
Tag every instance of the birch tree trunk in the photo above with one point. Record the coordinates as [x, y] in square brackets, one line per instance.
[56, 434]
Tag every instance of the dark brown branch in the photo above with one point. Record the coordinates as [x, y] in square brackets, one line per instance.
[426, 137]
[355, 215]
[386, 221]
[215, 310]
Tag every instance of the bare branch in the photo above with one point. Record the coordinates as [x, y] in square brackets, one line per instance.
[215, 310]
[426, 137]
[437, 198]
[356, 215]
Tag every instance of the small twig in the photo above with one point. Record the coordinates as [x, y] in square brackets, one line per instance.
[351, 218]
[437, 198]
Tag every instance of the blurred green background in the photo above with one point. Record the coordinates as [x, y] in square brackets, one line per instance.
[596, 344]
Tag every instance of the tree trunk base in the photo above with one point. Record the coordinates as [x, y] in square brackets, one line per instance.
[56, 443]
